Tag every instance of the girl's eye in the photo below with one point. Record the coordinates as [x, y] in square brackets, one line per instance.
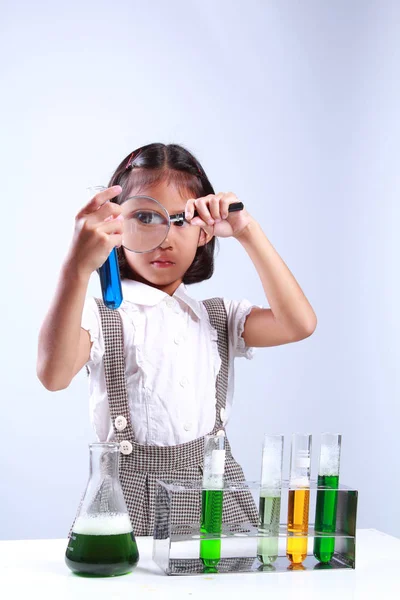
[182, 223]
[148, 217]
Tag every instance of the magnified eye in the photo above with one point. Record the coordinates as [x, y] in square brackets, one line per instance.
[148, 217]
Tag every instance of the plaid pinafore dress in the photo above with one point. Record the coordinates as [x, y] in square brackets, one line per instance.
[141, 465]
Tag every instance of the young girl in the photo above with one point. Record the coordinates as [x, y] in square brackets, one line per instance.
[161, 366]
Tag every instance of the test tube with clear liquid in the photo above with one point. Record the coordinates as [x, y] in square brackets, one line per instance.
[299, 498]
[212, 500]
[270, 499]
[326, 504]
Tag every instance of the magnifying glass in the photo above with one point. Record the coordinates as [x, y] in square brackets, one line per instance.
[146, 226]
[147, 223]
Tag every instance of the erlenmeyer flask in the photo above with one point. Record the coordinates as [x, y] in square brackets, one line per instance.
[102, 542]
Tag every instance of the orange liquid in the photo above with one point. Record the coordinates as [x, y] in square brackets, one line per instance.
[296, 547]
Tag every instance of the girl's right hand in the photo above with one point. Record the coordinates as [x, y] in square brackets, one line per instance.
[98, 229]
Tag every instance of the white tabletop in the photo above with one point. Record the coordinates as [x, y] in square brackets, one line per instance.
[36, 568]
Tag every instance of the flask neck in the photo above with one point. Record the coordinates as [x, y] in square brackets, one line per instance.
[104, 460]
[103, 494]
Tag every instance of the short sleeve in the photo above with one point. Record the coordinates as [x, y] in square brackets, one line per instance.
[237, 312]
[91, 322]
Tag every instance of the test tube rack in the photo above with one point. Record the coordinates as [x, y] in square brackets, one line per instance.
[176, 545]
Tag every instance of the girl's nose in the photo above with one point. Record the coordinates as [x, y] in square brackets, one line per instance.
[166, 245]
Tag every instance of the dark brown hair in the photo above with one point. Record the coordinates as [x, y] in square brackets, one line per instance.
[152, 164]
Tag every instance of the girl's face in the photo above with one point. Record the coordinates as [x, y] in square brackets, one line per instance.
[165, 267]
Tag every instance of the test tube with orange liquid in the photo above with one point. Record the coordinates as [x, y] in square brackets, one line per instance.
[299, 498]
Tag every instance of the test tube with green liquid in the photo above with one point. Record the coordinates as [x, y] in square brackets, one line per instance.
[270, 499]
[212, 500]
[326, 505]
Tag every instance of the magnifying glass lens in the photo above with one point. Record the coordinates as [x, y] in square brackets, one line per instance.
[146, 224]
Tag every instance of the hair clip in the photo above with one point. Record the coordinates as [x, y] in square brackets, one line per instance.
[128, 164]
[130, 159]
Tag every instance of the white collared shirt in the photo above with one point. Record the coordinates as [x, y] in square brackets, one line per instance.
[171, 363]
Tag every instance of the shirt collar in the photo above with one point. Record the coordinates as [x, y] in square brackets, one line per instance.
[146, 295]
[195, 305]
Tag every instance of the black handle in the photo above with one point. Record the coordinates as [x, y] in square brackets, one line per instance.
[235, 207]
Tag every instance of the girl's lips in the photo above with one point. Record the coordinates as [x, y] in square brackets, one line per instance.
[162, 264]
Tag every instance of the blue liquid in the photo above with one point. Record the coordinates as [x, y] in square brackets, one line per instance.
[110, 281]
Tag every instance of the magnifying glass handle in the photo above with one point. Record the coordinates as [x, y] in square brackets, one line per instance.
[110, 281]
[180, 217]
[234, 207]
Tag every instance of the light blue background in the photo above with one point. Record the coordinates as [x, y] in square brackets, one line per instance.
[294, 106]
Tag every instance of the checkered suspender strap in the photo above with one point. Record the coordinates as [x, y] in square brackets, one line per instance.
[218, 319]
[114, 367]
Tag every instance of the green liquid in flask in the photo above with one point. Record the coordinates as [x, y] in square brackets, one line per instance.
[211, 522]
[269, 515]
[102, 555]
[325, 517]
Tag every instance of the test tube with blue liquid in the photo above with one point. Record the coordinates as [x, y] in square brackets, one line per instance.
[110, 279]
[270, 499]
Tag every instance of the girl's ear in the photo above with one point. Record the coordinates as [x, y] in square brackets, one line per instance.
[205, 237]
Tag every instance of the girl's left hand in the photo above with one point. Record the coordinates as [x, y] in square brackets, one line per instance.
[214, 217]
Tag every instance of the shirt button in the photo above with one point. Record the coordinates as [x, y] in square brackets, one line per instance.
[125, 447]
[183, 382]
[222, 414]
[170, 302]
[187, 426]
[179, 339]
[221, 432]
[120, 423]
